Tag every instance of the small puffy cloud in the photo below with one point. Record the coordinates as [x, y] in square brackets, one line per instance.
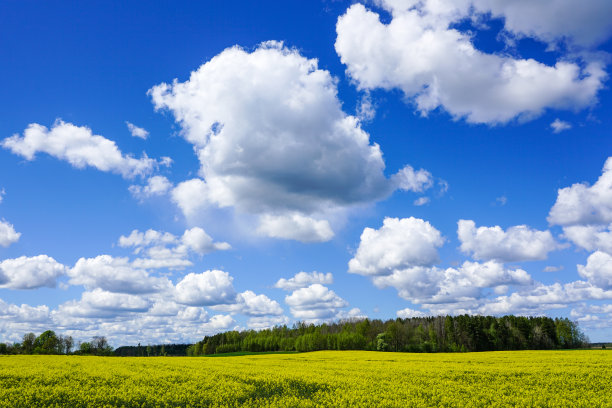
[78, 146]
[2, 194]
[582, 204]
[366, 110]
[208, 288]
[590, 237]
[251, 304]
[218, 323]
[115, 275]
[354, 314]
[315, 302]
[165, 250]
[137, 131]
[408, 313]
[421, 201]
[518, 243]
[559, 126]
[156, 186]
[503, 200]
[295, 226]
[150, 237]
[30, 272]
[198, 241]
[408, 179]
[598, 270]
[304, 279]
[258, 305]
[552, 268]
[273, 140]
[435, 65]
[267, 322]
[398, 244]
[8, 235]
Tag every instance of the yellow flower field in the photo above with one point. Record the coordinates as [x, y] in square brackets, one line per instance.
[325, 378]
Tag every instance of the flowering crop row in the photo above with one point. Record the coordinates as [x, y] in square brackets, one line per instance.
[326, 378]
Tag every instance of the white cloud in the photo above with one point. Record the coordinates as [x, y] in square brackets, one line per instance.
[316, 302]
[366, 111]
[150, 237]
[581, 25]
[598, 270]
[590, 237]
[407, 313]
[398, 244]
[409, 180]
[518, 243]
[156, 186]
[258, 305]
[115, 275]
[559, 126]
[304, 279]
[592, 317]
[122, 318]
[165, 307]
[198, 241]
[431, 285]
[78, 146]
[584, 205]
[421, 201]
[30, 272]
[218, 323]
[438, 66]
[191, 196]
[103, 304]
[354, 314]
[267, 322]
[553, 21]
[8, 235]
[206, 289]
[192, 314]
[165, 250]
[542, 297]
[2, 194]
[250, 304]
[272, 138]
[24, 313]
[137, 131]
[551, 268]
[295, 226]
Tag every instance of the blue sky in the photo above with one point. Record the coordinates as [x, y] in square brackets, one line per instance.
[186, 168]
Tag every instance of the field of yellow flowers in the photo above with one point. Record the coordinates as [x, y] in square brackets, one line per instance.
[325, 378]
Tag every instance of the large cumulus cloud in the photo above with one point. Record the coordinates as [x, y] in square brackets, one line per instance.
[422, 53]
[273, 140]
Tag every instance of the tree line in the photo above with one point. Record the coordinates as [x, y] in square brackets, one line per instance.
[48, 342]
[417, 334]
[157, 350]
